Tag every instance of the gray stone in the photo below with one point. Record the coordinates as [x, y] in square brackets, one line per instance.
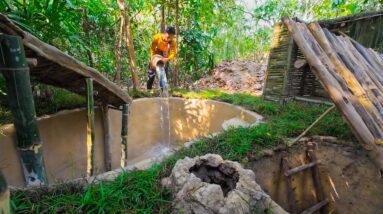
[192, 195]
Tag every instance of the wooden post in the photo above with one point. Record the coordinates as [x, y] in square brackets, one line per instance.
[90, 127]
[4, 196]
[107, 137]
[290, 191]
[13, 66]
[124, 135]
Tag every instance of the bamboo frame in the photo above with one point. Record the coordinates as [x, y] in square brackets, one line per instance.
[90, 127]
[124, 135]
[13, 65]
[360, 120]
[107, 137]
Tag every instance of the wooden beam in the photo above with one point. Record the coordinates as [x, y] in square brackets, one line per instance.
[290, 191]
[301, 168]
[32, 62]
[316, 180]
[90, 127]
[124, 135]
[107, 137]
[14, 68]
[315, 208]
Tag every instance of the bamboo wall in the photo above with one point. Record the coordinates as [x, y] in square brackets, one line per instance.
[282, 50]
[284, 82]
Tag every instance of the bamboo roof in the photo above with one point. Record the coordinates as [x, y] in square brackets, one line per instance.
[58, 69]
[351, 18]
[351, 75]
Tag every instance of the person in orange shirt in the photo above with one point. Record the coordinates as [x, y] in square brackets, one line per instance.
[162, 44]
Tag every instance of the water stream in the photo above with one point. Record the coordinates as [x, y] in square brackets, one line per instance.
[165, 111]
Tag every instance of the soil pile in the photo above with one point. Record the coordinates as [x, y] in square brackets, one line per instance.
[235, 77]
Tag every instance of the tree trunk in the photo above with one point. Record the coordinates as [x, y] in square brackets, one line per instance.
[117, 77]
[13, 65]
[129, 44]
[85, 29]
[4, 196]
[163, 16]
[176, 65]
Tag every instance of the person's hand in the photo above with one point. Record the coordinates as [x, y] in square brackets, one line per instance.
[165, 60]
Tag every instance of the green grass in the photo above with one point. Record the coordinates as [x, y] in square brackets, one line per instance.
[141, 192]
[55, 100]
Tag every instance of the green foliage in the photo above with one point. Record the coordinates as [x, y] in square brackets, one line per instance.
[211, 31]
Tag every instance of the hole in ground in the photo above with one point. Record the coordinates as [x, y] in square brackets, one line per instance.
[223, 175]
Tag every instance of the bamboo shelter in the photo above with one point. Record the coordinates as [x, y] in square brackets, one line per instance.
[288, 74]
[23, 58]
[351, 76]
[51, 66]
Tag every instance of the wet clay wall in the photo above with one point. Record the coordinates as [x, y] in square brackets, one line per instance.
[64, 135]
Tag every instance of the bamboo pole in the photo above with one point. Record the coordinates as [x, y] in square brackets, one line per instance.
[315, 58]
[365, 98]
[107, 137]
[5, 206]
[124, 135]
[90, 127]
[14, 68]
[312, 125]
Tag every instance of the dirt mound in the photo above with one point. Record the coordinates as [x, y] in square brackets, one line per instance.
[235, 77]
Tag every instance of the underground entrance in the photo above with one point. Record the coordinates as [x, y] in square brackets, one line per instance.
[224, 175]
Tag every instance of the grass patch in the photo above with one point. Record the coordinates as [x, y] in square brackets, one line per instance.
[141, 192]
[53, 100]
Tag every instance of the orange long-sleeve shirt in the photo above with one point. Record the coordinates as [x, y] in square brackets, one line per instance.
[159, 45]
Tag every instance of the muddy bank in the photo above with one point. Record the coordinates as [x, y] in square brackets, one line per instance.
[244, 76]
[350, 180]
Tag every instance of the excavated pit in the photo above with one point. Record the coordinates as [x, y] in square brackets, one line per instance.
[223, 175]
[350, 181]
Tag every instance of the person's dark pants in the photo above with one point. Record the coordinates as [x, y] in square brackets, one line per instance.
[152, 76]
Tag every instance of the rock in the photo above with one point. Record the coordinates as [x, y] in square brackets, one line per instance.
[209, 184]
[234, 123]
[267, 153]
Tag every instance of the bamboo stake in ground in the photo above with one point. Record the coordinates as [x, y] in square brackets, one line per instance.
[4, 196]
[124, 135]
[90, 127]
[312, 125]
[13, 66]
[107, 137]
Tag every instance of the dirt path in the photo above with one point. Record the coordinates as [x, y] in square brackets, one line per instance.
[235, 77]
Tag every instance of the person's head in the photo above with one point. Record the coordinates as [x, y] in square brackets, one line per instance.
[168, 34]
